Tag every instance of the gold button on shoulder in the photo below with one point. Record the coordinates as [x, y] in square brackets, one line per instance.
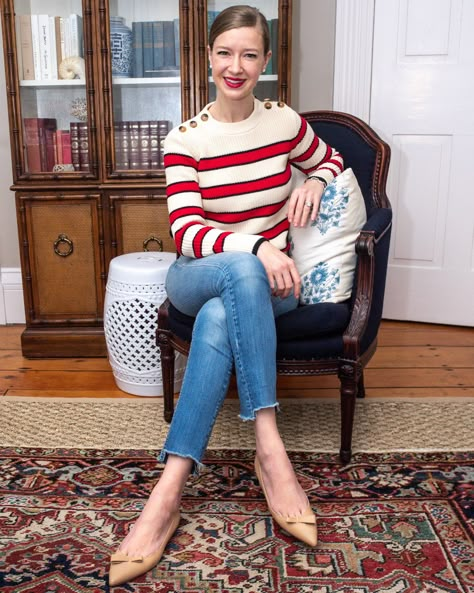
[204, 117]
[193, 123]
[182, 128]
[280, 104]
[268, 105]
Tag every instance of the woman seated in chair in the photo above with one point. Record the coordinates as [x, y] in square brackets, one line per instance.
[228, 174]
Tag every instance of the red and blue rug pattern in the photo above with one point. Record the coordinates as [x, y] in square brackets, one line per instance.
[388, 523]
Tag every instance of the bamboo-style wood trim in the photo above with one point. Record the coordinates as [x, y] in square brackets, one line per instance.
[285, 50]
[13, 88]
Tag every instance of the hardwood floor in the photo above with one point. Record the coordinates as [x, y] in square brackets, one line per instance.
[412, 360]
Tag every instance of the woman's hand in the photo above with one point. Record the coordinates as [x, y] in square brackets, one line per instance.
[304, 201]
[281, 271]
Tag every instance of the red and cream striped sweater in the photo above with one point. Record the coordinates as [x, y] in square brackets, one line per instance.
[228, 183]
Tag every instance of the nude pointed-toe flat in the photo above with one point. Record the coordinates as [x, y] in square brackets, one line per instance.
[125, 568]
[303, 526]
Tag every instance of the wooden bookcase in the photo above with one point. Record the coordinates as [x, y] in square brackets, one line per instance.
[74, 219]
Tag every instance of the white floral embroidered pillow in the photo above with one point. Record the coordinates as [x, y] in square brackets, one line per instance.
[324, 251]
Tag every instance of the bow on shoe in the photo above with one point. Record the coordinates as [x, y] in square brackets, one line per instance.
[309, 518]
[119, 557]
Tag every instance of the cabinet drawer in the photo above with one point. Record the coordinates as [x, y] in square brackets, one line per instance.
[140, 224]
[62, 259]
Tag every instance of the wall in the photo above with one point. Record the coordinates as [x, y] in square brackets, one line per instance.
[312, 88]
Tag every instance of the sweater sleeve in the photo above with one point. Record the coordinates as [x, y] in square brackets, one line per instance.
[311, 155]
[193, 236]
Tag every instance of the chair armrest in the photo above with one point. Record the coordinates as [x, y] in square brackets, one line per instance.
[372, 248]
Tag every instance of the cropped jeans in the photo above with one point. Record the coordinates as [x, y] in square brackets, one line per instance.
[229, 294]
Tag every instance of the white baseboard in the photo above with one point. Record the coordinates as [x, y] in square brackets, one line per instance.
[12, 309]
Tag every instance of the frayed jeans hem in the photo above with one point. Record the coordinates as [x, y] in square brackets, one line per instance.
[254, 412]
[197, 465]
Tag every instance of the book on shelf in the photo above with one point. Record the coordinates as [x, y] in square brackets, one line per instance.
[134, 146]
[122, 135]
[154, 145]
[156, 48]
[39, 143]
[76, 38]
[83, 146]
[147, 48]
[35, 42]
[169, 53]
[25, 42]
[75, 155]
[137, 44]
[158, 45]
[139, 144]
[63, 147]
[44, 41]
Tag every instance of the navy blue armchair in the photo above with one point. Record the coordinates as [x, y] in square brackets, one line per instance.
[324, 338]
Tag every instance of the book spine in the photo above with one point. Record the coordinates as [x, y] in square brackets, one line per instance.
[36, 46]
[45, 47]
[154, 145]
[121, 146]
[163, 129]
[58, 32]
[137, 33]
[134, 145]
[83, 146]
[58, 147]
[148, 49]
[52, 48]
[74, 135]
[26, 45]
[168, 44]
[158, 46]
[48, 127]
[32, 144]
[144, 135]
[66, 141]
[75, 22]
[67, 36]
[177, 45]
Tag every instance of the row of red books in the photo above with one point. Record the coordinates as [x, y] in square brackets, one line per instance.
[46, 146]
[139, 144]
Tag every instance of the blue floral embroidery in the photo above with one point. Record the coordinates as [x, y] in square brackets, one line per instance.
[333, 204]
[319, 284]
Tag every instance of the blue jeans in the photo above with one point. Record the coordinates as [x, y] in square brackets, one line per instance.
[229, 294]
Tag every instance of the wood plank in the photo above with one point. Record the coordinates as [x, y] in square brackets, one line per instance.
[10, 337]
[78, 393]
[438, 336]
[13, 360]
[384, 393]
[423, 357]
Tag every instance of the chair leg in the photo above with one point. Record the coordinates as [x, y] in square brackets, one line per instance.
[167, 375]
[349, 375]
[361, 386]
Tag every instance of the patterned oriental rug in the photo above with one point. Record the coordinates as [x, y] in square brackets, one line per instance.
[388, 523]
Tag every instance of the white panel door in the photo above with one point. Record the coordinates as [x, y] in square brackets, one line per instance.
[422, 102]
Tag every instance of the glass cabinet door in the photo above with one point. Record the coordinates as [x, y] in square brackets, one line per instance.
[270, 85]
[145, 65]
[53, 72]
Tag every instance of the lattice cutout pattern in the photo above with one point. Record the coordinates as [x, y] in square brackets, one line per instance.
[130, 330]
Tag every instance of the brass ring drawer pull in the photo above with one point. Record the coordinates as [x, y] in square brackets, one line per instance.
[155, 240]
[63, 246]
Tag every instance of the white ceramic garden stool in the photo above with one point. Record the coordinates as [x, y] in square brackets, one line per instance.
[135, 290]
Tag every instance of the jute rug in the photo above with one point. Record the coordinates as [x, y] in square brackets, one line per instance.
[306, 425]
[388, 523]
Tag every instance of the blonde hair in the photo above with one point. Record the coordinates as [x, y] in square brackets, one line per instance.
[237, 16]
